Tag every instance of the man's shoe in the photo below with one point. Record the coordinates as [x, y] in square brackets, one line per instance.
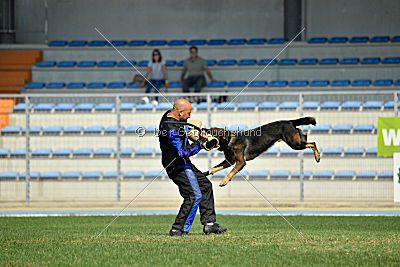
[214, 229]
[174, 232]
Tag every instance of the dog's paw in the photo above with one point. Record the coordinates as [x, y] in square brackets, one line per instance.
[223, 183]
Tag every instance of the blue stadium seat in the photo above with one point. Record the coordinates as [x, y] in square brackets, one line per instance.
[317, 40]
[157, 43]
[62, 152]
[387, 105]
[276, 40]
[324, 174]
[10, 129]
[92, 175]
[8, 175]
[175, 85]
[333, 151]
[256, 41]
[395, 39]
[153, 174]
[280, 174]
[247, 62]
[164, 106]
[170, 63]
[319, 83]
[330, 105]
[258, 84]
[216, 42]
[220, 174]
[311, 105]
[85, 107]
[71, 175]
[345, 174]
[237, 42]
[21, 107]
[352, 105]
[308, 61]
[125, 63]
[83, 152]
[366, 175]
[354, 151]
[259, 174]
[391, 60]
[382, 82]
[237, 127]
[287, 151]
[4, 152]
[105, 107]
[338, 40]
[386, 175]
[127, 151]
[267, 61]
[226, 106]
[66, 64]
[243, 173]
[95, 43]
[86, 64]
[361, 83]
[111, 174]
[268, 105]
[133, 85]
[273, 151]
[321, 128]
[196, 42]
[306, 174]
[218, 84]
[141, 107]
[93, 130]
[247, 105]
[104, 152]
[298, 83]
[46, 64]
[288, 105]
[127, 106]
[35, 129]
[287, 61]
[77, 43]
[73, 130]
[42, 152]
[107, 64]
[54, 130]
[340, 83]
[113, 129]
[180, 63]
[18, 152]
[370, 60]
[203, 105]
[50, 175]
[342, 128]
[118, 43]
[237, 84]
[55, 85]
[359, 39]
[373, 105]
[329, 61]
[152, 129]
[34, 85]
[350, 61]
[32, 175]
[226, 62]
[116, 85]
[211, 62]
[278, 83]
[75, 85]
[137, 43]
[95, 85]
[380, 39]
[44, 107]
[133, 174]
[57, 43]
[364, 128]
[142, 63]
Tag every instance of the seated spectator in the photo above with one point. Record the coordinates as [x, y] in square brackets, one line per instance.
[156, 76]
[195, 66]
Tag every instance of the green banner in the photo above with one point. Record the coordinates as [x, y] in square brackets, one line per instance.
[388, 136]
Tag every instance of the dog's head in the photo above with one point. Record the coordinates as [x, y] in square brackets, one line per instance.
[224, 136]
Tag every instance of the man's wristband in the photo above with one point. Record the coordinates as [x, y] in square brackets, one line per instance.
[166, 81]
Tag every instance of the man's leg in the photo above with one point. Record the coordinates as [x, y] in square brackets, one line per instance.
[186, 84]
[200, 83]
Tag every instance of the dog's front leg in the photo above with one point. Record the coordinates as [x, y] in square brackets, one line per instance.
[238, 166]
[223, 165]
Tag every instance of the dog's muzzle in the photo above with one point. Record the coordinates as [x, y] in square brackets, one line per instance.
[209, 143]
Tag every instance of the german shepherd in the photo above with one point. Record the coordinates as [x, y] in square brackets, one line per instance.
[241, 146]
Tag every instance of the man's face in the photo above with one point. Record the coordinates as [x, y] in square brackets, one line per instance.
[193, 53]
[185, 114]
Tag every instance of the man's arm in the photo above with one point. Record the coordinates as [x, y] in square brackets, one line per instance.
[209, 74]
[183, 151]
[183, 74]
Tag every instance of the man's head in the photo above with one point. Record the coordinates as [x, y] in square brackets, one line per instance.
[181, 110]
[193, 52]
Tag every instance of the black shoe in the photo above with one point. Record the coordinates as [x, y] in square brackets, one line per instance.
[214, 229]
[174, 232]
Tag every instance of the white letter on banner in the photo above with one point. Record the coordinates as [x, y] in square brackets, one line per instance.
[387, 138]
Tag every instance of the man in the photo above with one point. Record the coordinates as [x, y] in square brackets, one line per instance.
[194, 187]
[196, 66]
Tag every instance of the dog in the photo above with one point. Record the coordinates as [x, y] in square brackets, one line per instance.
[242, 146]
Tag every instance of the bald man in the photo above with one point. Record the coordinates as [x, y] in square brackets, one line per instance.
[194, 187]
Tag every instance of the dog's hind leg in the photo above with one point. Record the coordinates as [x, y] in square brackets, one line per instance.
[238, 166]
[223, 165]
[313, 146]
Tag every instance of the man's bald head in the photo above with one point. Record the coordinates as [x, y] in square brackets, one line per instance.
[181, 110]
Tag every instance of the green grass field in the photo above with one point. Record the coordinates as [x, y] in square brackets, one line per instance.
[251, 240]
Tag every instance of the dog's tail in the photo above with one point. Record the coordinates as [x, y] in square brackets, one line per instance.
[304, 121]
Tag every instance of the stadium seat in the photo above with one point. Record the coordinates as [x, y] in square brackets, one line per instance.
[175, 85]
[380, 39]
[211, 62]
[92, 175]
[287, 61]
[350, 61]
[366, 175]
[338, 40]
[153, 174]
[342, 128]
[62, 152]
[137, 43]
[204, 105]
[55, 85]
[226, 106]
[75, 85]
[180, 63]
[152, 129]
[170, 63]
[333, 151]
[66, 64]
[218, 84]
[317, 40]
[276, 40]
[237, 84]
[83, 152]
[259, 174]
[4, 152]
[220, 174]
[268, 105]
[278, 83]
[237, 127]
[237, 42]
[373, 105]
[352, 105]
[143, 107]
[395, 39]
[97, 43]
[176, 42]
[64, 107]
[329, 61]
[216, 42]
[382, 82]
[46, 64]
[111, 174]
[157, 43]
[361, 83]
[86, 107]
[386, 175]
[226, 62]
[93, 130]
[113, 129]
[32, 175]
[73, 130]
[86, 64]
[164, 106]
[133, 85]
[95, 85]
[196, 42]
[77, 43]
[359, 39]
[308, 61]
[330, 105]
[364, 128]
[306, 174]
[345, 174]
[324, 174]
[12, 130]
[370, 60]
[273, 151]
[34, 85]
[145, 151]
[288, 105]
[107, 64]
[319, 83]
[127, 106]
[71, 175]
[297, 83]
[311, 105]
[256, 41]
[247, 105]
[116, 85]
[321, 128]
[288, 152]
[354, 151]
[105, 107]
[279, 174]
[391, 60]
[53, 130]
[340, 83]
[127, 151]
[42, 152]
[44, 107]
[57, 43]
[257, 84]
[49, 175]
[247, 62]
[104, 152]
[387, 105]
[5, 175]
[133, 175]
[267, 61]
[125, 63]
[142, 63]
